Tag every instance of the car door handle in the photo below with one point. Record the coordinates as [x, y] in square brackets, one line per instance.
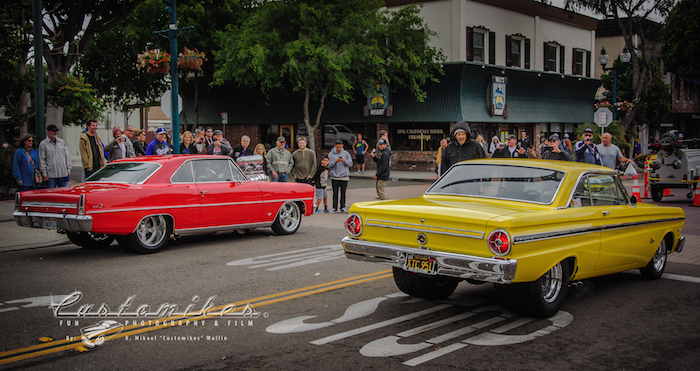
[606, 213]
[203, 192]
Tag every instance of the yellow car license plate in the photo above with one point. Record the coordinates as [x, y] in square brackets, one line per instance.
[420, 264]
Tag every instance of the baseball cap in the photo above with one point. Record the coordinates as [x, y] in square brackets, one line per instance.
[554, 137]
[588, 130]
[161, 131]
[218, 132]
[566, 136]
[52, 127]
[281, 139]
[381, 141]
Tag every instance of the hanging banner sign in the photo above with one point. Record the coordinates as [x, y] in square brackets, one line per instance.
[496, 96]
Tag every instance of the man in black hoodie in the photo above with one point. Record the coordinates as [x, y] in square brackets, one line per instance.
[382, 159]
[462, 147]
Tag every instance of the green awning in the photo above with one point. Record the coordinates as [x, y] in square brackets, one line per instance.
[532, 97]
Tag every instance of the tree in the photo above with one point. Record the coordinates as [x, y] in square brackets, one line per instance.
[15, 43]
[681, 46]
[69, 26]
[330, 48]
[631, 16]
[109, 63]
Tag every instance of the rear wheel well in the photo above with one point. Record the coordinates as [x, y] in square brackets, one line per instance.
[571, 262]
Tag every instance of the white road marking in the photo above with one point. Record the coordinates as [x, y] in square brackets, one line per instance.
[38, 301]
[291, 259]
[434, 354]
[361, 330]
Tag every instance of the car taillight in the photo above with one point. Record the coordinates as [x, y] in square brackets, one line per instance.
[81, 205]
[353, 224]
[499, 242]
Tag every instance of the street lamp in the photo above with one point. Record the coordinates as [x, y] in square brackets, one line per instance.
[603, 58]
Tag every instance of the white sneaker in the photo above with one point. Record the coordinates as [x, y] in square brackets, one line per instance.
[343, 210]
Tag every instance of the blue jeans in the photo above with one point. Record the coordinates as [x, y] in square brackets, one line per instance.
[281, 178]
[57, 182]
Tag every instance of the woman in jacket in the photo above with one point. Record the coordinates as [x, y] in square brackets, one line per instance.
[117, 148]
[260, 150]
[25, 164]
[187, 147]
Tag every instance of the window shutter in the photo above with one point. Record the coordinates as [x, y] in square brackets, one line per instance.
[562, 50]
[492, 47]
[545, 60]
[573, 63]
[588, 64]
[509, 62]
[470, 44]
[526, 54]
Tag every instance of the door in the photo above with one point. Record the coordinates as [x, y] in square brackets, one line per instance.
[287, 131]
[226, 197]
[624, 225]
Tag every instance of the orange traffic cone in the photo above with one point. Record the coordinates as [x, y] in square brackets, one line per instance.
[667, 192]
[635, 190]
[696, 199]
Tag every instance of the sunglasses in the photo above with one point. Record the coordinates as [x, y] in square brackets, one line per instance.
[29, 140]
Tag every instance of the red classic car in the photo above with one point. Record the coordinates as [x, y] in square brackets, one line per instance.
[142, 201]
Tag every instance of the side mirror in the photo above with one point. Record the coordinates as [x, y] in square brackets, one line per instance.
[634, 200]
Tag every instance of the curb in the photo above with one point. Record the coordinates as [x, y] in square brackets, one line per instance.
[64, 241]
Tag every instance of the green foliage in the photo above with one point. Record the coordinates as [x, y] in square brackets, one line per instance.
[657, 104]
[15, 42]
[328, 48]
[109, 63]
[78, 99]
[681, 45]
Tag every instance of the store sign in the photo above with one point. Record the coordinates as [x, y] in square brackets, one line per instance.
[421, 134]
[378, 100]
[496, 96]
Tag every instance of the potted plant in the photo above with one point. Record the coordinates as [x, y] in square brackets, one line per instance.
[154, 61]
[604, 104]
[191, 59]
[624, 106]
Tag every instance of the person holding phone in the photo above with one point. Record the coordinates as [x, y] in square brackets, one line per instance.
[586, 150]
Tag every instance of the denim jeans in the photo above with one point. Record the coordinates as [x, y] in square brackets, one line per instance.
[281, 178]
[57, 182]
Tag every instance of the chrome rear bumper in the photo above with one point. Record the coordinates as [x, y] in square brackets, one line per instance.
[449, 264]
[68, 222]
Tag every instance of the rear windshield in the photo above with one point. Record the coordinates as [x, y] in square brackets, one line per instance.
[520, 183]
[126, 172]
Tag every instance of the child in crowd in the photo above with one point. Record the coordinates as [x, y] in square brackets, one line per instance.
[320, 182]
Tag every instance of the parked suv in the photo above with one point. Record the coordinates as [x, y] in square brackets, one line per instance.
[331, 133]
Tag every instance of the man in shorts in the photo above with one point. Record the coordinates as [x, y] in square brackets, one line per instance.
[320, 182]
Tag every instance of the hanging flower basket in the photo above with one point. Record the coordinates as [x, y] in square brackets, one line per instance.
[190, 63]
[191, 59]
[154, 61]
[162, 69]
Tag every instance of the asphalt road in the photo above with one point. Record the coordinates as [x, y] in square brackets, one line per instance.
[311, 308]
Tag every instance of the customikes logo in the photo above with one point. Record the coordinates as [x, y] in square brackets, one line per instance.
[129, 316]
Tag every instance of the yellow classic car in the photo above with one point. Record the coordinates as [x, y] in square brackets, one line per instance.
[530, 226]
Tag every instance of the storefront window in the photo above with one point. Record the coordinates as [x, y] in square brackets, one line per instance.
[418, 136]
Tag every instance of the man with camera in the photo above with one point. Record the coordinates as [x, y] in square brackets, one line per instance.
[513, 149]
[553, 151]
[586, 150]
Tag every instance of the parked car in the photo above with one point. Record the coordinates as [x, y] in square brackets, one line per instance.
[331, 133]
[142, 201]
[529, 226]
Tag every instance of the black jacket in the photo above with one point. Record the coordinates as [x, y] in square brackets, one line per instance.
[551, 155]
[505, 153]
[238, 152]
[383, 167]
[454, 152]
[316, 180]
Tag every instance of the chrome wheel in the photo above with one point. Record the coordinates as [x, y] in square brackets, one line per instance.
[551, 283]
[152, 230]
[288, 219]
[659, 259]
